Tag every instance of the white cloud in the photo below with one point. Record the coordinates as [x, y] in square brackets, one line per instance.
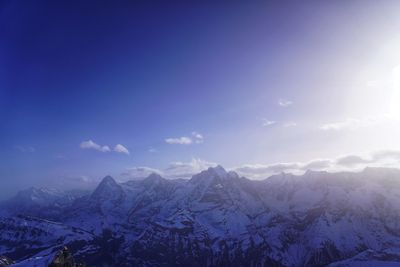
[121, 149]
[174, 170]
[180, 169]
[92, 145]
[387, 154]
[348, 123]
[184, 140]
[196, 138]
[284, 103]
[386, 158]
[260, 171]
[267, 123]
[317, 164]
[352, 124]
[136, 173]
[352, 160]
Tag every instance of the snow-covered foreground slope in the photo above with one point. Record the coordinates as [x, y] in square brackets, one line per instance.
[216, 219]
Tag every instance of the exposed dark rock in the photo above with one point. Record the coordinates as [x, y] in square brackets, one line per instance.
[64, 258]
[4, 261]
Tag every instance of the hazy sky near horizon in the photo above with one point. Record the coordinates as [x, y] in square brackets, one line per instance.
[94, 88]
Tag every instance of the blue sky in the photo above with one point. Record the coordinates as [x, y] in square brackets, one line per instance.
[245, 84]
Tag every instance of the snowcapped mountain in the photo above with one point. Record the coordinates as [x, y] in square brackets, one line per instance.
[216, 218]
[41, 202]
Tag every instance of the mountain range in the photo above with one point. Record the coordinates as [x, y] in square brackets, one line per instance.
[216, 218]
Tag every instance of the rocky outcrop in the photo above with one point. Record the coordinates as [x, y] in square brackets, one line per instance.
[64, 258]
[4, 261]
[56, 258]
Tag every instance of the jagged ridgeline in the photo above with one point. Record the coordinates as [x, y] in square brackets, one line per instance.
[216, 218]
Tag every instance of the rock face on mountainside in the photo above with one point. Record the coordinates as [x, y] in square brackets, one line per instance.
[216, 218]
[55, 258]
[64, 258]
[4, 261]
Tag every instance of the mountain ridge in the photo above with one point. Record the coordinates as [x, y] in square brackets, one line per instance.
[218, 218]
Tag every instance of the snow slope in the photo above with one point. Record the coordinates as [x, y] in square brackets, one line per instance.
[218, 218]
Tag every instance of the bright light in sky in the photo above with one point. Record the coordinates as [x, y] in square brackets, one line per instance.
[270, 86]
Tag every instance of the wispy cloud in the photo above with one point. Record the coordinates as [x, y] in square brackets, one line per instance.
[179, 169]
[317, 164]
[184, 140]
[121, 149]
[376, 158]
[25, 149]
[284, 103]
[198, 137]
[152, 150]
[387, 158]
[60, 156]
[352, 123]
[339, 125]
[352, 160]
[92, 145]
[260, 171]
[103, 148]
[387, 154]
[135, 173]
[195, 137]
[267, 122]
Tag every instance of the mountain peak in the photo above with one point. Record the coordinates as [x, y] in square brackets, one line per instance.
[108, 180]
[108, 187]
[218, 170]
[38, 195]
[233, 174]
[213, 173]
[154, 176]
